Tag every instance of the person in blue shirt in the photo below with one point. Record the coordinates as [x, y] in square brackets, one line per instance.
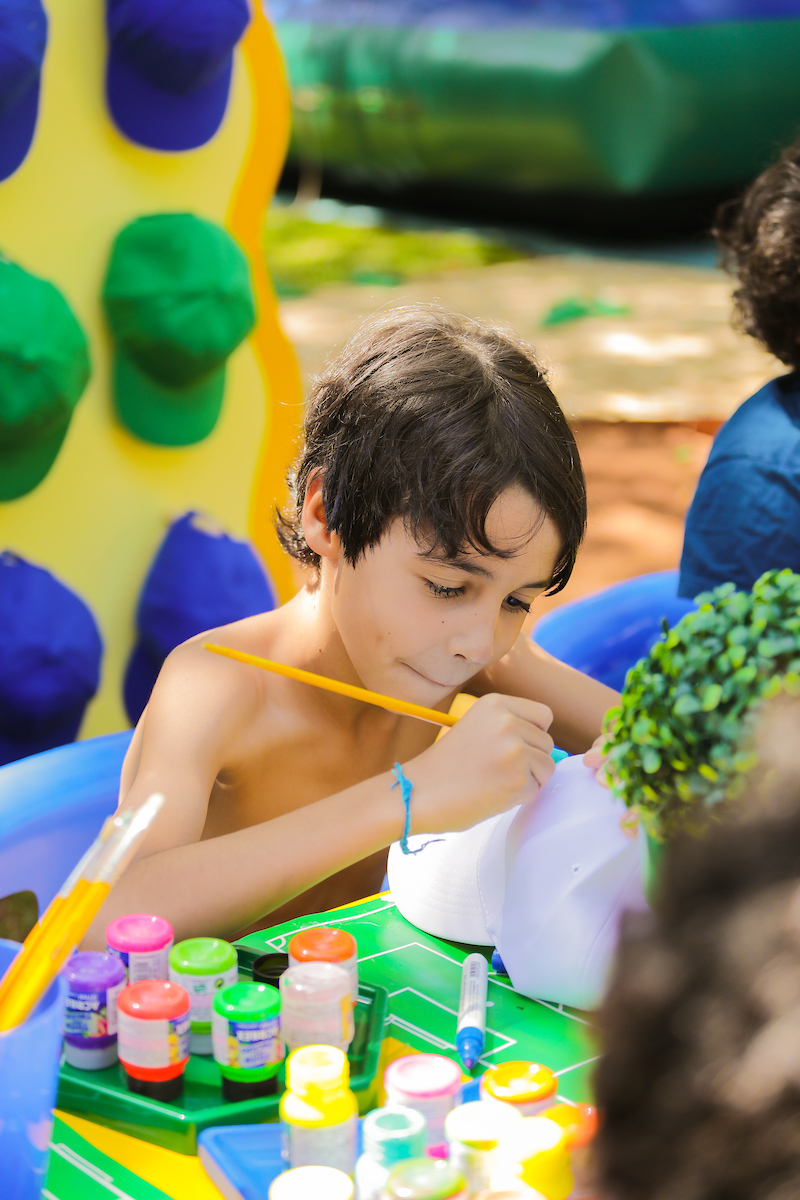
[745, 515]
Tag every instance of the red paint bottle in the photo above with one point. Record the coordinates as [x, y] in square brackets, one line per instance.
[153, 1037]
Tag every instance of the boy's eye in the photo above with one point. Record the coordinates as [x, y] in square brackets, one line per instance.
[439, 589]
[518, 605]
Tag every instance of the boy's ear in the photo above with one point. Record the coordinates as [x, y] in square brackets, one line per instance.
[315, 526]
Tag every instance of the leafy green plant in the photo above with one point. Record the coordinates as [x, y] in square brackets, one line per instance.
[678, 744]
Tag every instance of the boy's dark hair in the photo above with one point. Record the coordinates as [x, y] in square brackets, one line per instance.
[759, 237]
[430, 417]
[699, 1083]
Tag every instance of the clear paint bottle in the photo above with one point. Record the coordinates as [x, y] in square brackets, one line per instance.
[528, 1087]
[312, 1183]
[203, 966]
[478, 1134]
[425, 1179]
[318, 1110]
[327, 945]
[430, 1084]
[316, 1006]
[390, 1136]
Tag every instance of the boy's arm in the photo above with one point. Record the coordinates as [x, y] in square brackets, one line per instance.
[579, 703]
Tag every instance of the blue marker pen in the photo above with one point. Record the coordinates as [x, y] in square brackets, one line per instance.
[471, 1027]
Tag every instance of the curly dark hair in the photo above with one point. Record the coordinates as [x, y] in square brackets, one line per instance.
[430, 417]
[699, 1082]
[759, 238]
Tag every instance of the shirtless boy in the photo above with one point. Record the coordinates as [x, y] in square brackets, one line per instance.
[439, 492]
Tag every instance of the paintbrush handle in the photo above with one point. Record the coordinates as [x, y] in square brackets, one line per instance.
[333, 685]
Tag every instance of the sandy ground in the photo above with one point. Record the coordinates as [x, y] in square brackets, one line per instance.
[644, 391]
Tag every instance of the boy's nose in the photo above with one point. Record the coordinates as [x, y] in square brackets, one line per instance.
[474, 640]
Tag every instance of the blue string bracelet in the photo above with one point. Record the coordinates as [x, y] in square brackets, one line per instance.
[405, 791]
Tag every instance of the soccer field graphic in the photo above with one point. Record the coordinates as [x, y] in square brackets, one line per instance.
[422, 975]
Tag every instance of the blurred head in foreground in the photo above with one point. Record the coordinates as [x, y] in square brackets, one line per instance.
[700, 1080]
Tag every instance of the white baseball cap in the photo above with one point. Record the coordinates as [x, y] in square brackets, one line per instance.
[546, 883]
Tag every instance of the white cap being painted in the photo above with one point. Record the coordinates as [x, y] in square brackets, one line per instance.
[546, 883]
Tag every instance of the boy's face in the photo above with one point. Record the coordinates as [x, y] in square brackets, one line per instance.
[417, 625]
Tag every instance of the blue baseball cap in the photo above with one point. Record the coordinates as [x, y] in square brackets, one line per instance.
[169, 68]
[50, 652]
[200, 578]
[23, 37]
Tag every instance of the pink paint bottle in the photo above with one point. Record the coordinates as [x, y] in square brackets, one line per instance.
[428, 1083]
[143, 942]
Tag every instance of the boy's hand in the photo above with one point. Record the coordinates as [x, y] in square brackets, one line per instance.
[595, 759]
[495, 757]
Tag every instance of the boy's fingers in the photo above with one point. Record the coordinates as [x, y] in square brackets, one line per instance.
[542, 767]
[529, 710]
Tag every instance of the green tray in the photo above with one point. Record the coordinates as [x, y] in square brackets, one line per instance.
[103, 1096]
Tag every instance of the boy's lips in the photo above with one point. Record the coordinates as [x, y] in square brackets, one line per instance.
[434, 682]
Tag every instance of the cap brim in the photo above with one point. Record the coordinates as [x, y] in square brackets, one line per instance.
[162, 120]
[141, 674]
[22, 468]
[17, 127]
[438, 889]
[164, 415]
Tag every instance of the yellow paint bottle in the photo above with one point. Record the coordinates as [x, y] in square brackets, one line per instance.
[318, 1110]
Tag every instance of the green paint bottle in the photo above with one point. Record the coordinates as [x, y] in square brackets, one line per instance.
[245, 1032]
[204, 966]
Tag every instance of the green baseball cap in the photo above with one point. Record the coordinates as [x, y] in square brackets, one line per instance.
[178, 298]
[44, 366]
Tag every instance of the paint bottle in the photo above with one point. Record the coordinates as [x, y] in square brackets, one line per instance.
[512, 1189]
[153, 1037]
[541, 1153]
[311, 1183]
[390, 1136]
[477, 1135]
[428, 1083]
[142, 942]
[327, 945]
[203, 966]
[90, 1021]
[316, 1006]
[425, 1179]
[579, 1121]
[528, 1086]
[318, 1110]
[245, 1032]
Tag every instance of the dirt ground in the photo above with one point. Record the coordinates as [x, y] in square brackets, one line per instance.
[644, 389]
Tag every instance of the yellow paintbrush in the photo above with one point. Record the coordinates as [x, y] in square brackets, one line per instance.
[333, 685]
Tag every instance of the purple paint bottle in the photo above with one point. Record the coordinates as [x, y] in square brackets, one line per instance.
[90, 1021]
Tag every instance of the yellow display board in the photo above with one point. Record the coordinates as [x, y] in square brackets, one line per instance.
[99, 516]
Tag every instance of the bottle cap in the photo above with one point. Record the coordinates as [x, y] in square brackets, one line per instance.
[393, 1133]
[202, 956]
[91, 971]
[322, 945]
[269, 967]
[578, 1120]
[519, 1082]
[481, 1124]
[139, 932]
[248, 1002]
[311, 1183]
[432, 1178]
[323, 1067]
[154, 1000]
[540, 1147]
[422, 1076]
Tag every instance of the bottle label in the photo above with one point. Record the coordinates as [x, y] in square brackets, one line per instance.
[330, 1146]
[246, 1044]
[158, 1043]
[149, 964]
[92, 1014]
[202, 989]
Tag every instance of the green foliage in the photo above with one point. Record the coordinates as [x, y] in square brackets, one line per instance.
[303, 253]
[678, 746]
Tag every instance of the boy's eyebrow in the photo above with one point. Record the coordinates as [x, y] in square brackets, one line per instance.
[472, 568]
